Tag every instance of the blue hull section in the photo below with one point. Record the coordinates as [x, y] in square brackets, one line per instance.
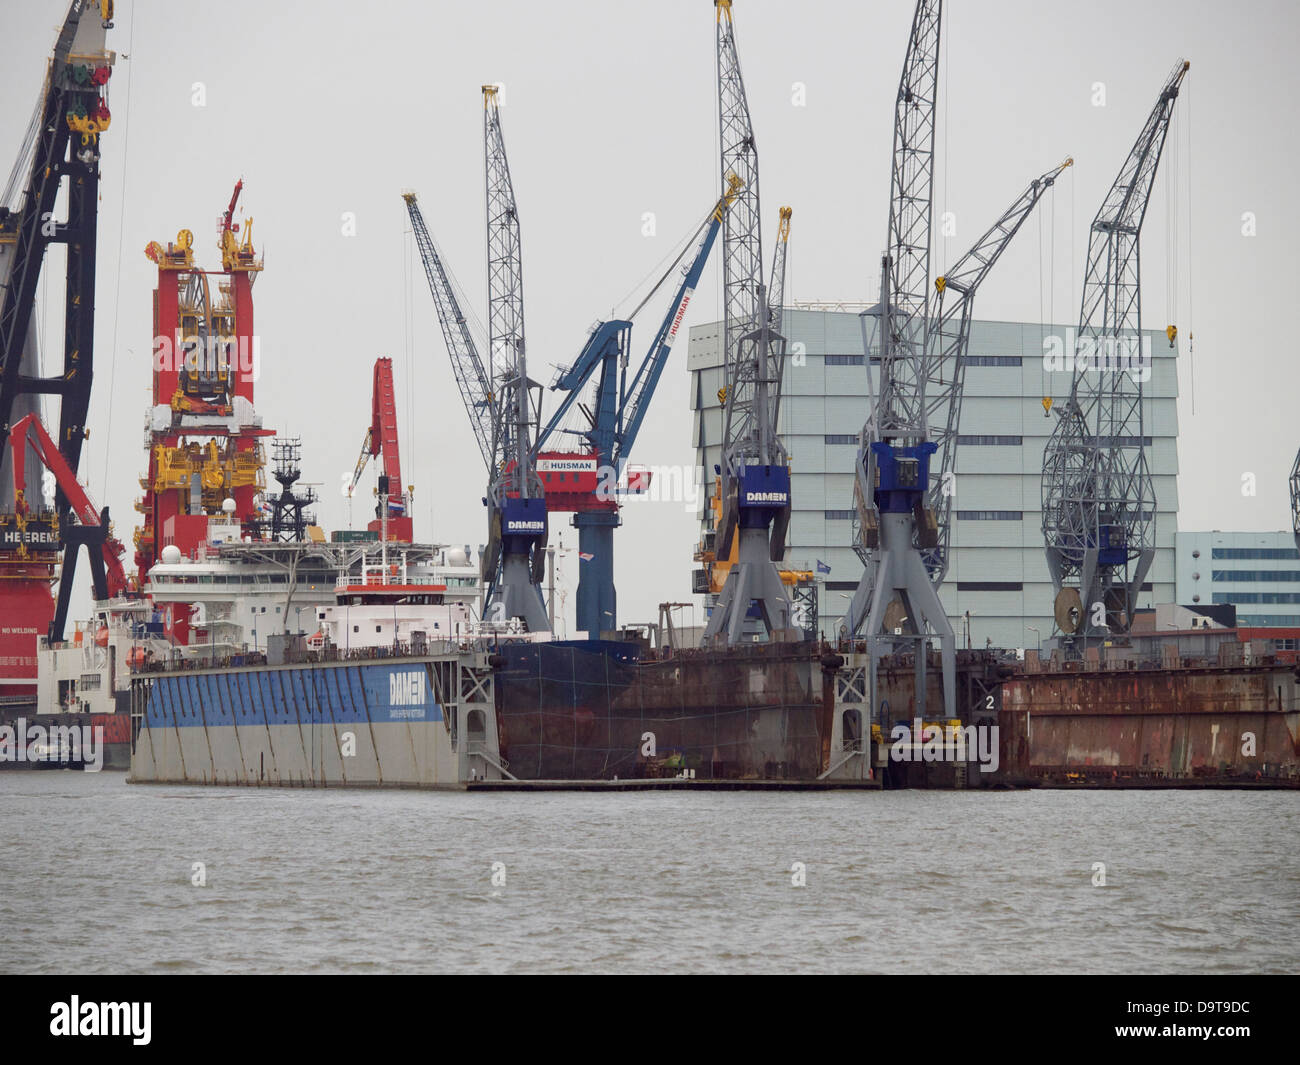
[317, 695]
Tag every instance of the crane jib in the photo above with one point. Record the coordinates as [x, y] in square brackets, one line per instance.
[677, 318]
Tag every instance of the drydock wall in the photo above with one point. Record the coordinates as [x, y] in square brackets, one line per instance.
[339, 724]
[1173, 723]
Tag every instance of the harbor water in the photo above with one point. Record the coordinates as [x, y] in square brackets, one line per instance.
[99, 876]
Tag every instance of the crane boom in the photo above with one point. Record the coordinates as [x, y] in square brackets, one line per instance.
[392, 518]
[945, 364]
[905, 269]
[637, 392]
[606, 341]
[1295, 498]
[618, 410]
[471, 378]
[776, 296]
[107, 574]
[776, 280]
[1097, 493]
[383, 422]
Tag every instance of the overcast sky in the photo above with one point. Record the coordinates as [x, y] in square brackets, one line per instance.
[335, 107]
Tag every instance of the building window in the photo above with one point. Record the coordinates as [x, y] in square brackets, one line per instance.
[1123, 441]
[993, 360]
[844, 360]
[990, 441]
[990, 515]
[841, 586]
[840, 438]
[1255, 553]
[1288, 643]
[1229, 576]
[1266, 621]
[839, 515]
[1270, 598]
[989, 586]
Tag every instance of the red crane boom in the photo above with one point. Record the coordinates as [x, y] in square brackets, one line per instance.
[381, 440]
[88, 515]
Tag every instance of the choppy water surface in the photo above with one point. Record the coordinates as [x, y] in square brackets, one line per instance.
[95, 876]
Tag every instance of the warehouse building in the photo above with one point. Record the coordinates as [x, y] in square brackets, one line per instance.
[998, 592]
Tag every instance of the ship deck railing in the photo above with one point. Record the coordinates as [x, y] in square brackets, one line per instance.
[327, 654]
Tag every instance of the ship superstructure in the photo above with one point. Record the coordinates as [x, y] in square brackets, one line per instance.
[202, 430]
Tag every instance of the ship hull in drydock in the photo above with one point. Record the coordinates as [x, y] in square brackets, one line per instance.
[601, 710]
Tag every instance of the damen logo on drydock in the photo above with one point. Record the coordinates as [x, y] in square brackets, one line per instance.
[406, 693]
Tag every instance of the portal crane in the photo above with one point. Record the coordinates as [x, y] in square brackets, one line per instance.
[515, 560]
[91, 529]
[616, 414]
[499, 396]
[754, 471]
[1098, 497]
[903, 514]
[894, 594]
[392, 519]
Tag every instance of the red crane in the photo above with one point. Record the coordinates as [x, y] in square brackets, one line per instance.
[107, 575]
[381, 440]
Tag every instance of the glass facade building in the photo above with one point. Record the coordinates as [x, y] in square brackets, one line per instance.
[1257, 572]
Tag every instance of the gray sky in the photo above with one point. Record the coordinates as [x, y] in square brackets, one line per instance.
[335, 107]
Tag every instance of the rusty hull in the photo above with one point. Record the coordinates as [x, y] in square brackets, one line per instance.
[1159, 724]
[576, 711]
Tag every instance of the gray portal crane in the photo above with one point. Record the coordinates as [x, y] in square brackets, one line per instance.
[500, 399]
[902, 514]
[1098, 498]
[754, 472]
[515, 561]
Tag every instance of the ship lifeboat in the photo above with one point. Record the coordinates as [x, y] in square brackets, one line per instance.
[101, 636]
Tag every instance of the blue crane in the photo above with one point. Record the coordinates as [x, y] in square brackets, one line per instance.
[615, 415]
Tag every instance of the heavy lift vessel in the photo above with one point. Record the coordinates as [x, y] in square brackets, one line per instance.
[205, 435]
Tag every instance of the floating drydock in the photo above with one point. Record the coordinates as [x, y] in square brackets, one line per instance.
[408, 721]
[576, 713]
[1185, 721]
[581, 711]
